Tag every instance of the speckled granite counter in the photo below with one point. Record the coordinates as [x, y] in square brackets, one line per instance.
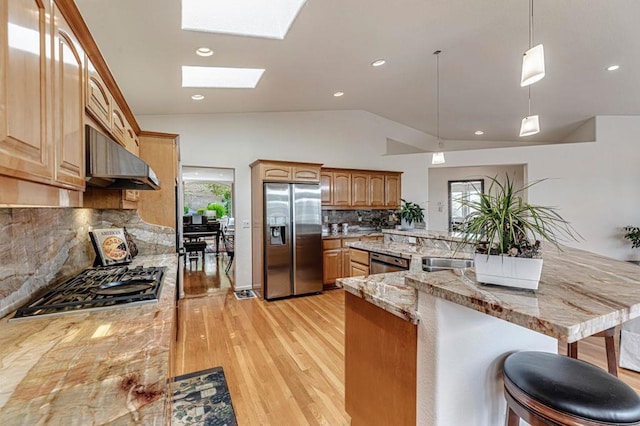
[580, 294]
[413, 252]
[101, 367]
[353, 234]
[387, 291]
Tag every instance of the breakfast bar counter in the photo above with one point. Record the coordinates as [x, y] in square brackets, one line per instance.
[108, 366]
[466, 329]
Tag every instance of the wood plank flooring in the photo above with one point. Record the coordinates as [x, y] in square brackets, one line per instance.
[207, 277]
[284, 360]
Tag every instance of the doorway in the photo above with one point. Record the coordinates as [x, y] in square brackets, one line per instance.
[460, 193]
[208, 229]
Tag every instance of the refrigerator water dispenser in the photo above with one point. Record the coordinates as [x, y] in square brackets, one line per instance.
[277, 235]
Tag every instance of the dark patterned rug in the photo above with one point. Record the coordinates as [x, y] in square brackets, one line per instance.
[202, 398]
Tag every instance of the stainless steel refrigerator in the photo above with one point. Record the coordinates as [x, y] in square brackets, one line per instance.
[292, 240]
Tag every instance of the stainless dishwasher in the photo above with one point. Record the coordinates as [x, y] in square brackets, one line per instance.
[381, 263]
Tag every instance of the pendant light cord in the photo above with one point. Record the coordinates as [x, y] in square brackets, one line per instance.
[530, 24]
[437, 53]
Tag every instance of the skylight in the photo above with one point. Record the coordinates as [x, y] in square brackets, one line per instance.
[256, 18]
[230, 78]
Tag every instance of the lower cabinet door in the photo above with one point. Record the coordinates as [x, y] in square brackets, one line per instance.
[331, 266]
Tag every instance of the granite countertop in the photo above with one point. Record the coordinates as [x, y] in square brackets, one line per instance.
[426, 233]
[351, 234]
[407, 251]
[580, 294]
[108, 366]
[387, 291]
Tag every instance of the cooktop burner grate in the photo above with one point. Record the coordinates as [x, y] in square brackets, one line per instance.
[97, 288]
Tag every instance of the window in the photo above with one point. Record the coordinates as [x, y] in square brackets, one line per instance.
[462, 190]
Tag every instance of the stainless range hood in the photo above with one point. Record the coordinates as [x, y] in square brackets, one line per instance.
[111, 166]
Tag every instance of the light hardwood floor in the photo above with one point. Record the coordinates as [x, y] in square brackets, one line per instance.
[284, 360]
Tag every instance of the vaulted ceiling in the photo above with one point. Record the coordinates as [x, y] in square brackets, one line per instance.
[332, 43]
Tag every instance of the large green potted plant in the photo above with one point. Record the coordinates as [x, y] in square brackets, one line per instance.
[506, 231]
[410, 214]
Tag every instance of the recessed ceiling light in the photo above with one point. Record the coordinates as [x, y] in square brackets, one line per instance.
[257, 18]
[378, 63]
[230, 78]
[479, 132]
[338, 94]
[197, 97]
[613, 67]
[204, 51]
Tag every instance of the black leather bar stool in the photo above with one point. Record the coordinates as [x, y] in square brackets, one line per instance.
[549, 389]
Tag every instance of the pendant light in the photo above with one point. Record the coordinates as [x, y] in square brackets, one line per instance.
[438, 157]
[531, 123]
[533, 59]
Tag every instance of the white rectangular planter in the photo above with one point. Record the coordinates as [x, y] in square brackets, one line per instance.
[508, 271]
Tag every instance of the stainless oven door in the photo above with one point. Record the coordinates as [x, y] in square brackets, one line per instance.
[381, 263]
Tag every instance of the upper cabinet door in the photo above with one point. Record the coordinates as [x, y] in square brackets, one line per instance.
[341, 189]
[376, 190]
[99, 103]
[25, 150]
[306, 174]
[359, 189]
[68, 104]
[392, 190]
[326, 188]
[118, 124]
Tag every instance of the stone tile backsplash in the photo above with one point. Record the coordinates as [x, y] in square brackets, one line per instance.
[42, 246]
[362, 218]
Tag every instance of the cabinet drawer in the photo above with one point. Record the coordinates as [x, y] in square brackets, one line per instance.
[334, 243]
[359, 256]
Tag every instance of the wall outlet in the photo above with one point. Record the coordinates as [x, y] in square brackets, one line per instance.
[246, 224]
[412, 240]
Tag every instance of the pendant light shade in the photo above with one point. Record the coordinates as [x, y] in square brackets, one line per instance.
[532, 66]
[438, 158]
[530, 126]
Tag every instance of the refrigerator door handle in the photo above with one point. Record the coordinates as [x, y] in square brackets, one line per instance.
[292, 236]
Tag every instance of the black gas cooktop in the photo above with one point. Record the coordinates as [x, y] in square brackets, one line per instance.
[97, 288]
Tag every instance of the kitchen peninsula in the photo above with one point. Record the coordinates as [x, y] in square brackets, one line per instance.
[109, 366]
[466, 329]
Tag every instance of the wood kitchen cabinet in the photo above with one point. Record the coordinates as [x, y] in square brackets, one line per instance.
[337, 259]
[332, 262]
[359, 264]
[326, 188]
[360, 189]
[26, 151]
[341, 189]
[285, 171]
[392, 190]
[376, 190]
[162, 152]
[68, 105]
[99, 103]
[41, 138]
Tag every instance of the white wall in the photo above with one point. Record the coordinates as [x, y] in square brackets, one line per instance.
[595, 185]
[439, 177]
[350, 139]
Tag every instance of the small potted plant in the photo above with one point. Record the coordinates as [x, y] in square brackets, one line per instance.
[506, 232]
[410, 214]
[633, 235]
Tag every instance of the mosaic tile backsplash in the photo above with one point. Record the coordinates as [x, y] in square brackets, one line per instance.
[42, 246]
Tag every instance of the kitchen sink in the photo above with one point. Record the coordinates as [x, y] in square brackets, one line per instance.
[434, 264]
